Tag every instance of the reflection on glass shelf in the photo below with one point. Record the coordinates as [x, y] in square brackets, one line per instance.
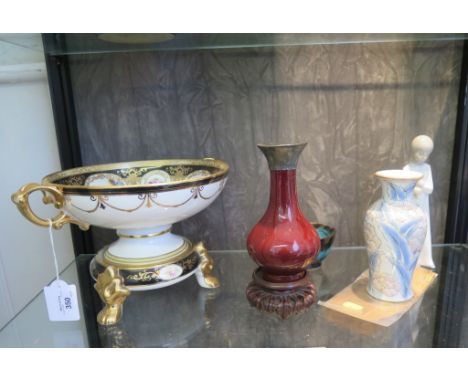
[87, 43]
[185, 315]
[31, 327]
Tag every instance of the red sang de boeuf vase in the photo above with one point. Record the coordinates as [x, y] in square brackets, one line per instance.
[283, 243]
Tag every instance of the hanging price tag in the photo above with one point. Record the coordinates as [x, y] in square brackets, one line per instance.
[62, 302]
[61, 299]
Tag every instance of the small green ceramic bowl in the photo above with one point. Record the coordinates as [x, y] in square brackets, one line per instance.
[327, 236]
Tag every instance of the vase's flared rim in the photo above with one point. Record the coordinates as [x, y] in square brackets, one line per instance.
[282, 156]
[399, 175]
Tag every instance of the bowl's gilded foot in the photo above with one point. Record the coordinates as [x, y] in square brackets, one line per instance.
[114, 282]
[204, 277]
[286, 301]
[112, 291]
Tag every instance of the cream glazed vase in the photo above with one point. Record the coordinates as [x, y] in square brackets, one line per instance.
[394, 229]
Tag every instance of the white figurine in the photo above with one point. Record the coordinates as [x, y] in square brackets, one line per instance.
[421, 148]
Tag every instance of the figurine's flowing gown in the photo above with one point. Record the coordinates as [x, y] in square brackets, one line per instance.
[426, 185]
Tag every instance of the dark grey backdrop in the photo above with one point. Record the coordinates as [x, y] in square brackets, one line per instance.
[358, 106]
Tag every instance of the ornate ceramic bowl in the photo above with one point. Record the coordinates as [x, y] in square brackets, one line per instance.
[327, 236]
[141, 200]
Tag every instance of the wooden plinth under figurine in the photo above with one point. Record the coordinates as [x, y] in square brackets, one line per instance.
[284, 299]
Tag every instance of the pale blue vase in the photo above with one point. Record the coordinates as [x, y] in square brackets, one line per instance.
[394, 230]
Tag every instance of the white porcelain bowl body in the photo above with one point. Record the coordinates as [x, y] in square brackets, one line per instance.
[141, 200]
[141, 210]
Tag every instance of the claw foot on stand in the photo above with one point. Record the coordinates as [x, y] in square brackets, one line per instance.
[204, 277]
[112, 291]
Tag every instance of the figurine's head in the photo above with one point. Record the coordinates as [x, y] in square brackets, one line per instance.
[421, 147]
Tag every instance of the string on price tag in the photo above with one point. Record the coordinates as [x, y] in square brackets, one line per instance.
[61, 298]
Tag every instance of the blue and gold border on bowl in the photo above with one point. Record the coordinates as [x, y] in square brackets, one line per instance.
[127, 177]
[147, 276]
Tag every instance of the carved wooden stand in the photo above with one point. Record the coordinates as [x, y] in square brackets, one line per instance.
[284, 299]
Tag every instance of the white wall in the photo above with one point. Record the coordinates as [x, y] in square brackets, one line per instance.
[28, 151]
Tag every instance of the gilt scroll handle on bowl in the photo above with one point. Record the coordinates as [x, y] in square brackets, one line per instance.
[51, 194]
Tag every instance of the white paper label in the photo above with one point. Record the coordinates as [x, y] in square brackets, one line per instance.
[62, 302]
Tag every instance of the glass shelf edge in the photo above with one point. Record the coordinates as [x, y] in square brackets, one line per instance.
[285, 40]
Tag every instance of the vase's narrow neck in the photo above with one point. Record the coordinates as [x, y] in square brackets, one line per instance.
[283, 193]
[398, 190]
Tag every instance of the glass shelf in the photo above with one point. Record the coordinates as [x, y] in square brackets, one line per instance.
[31, 326]
[185, 315]
[92, 43]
